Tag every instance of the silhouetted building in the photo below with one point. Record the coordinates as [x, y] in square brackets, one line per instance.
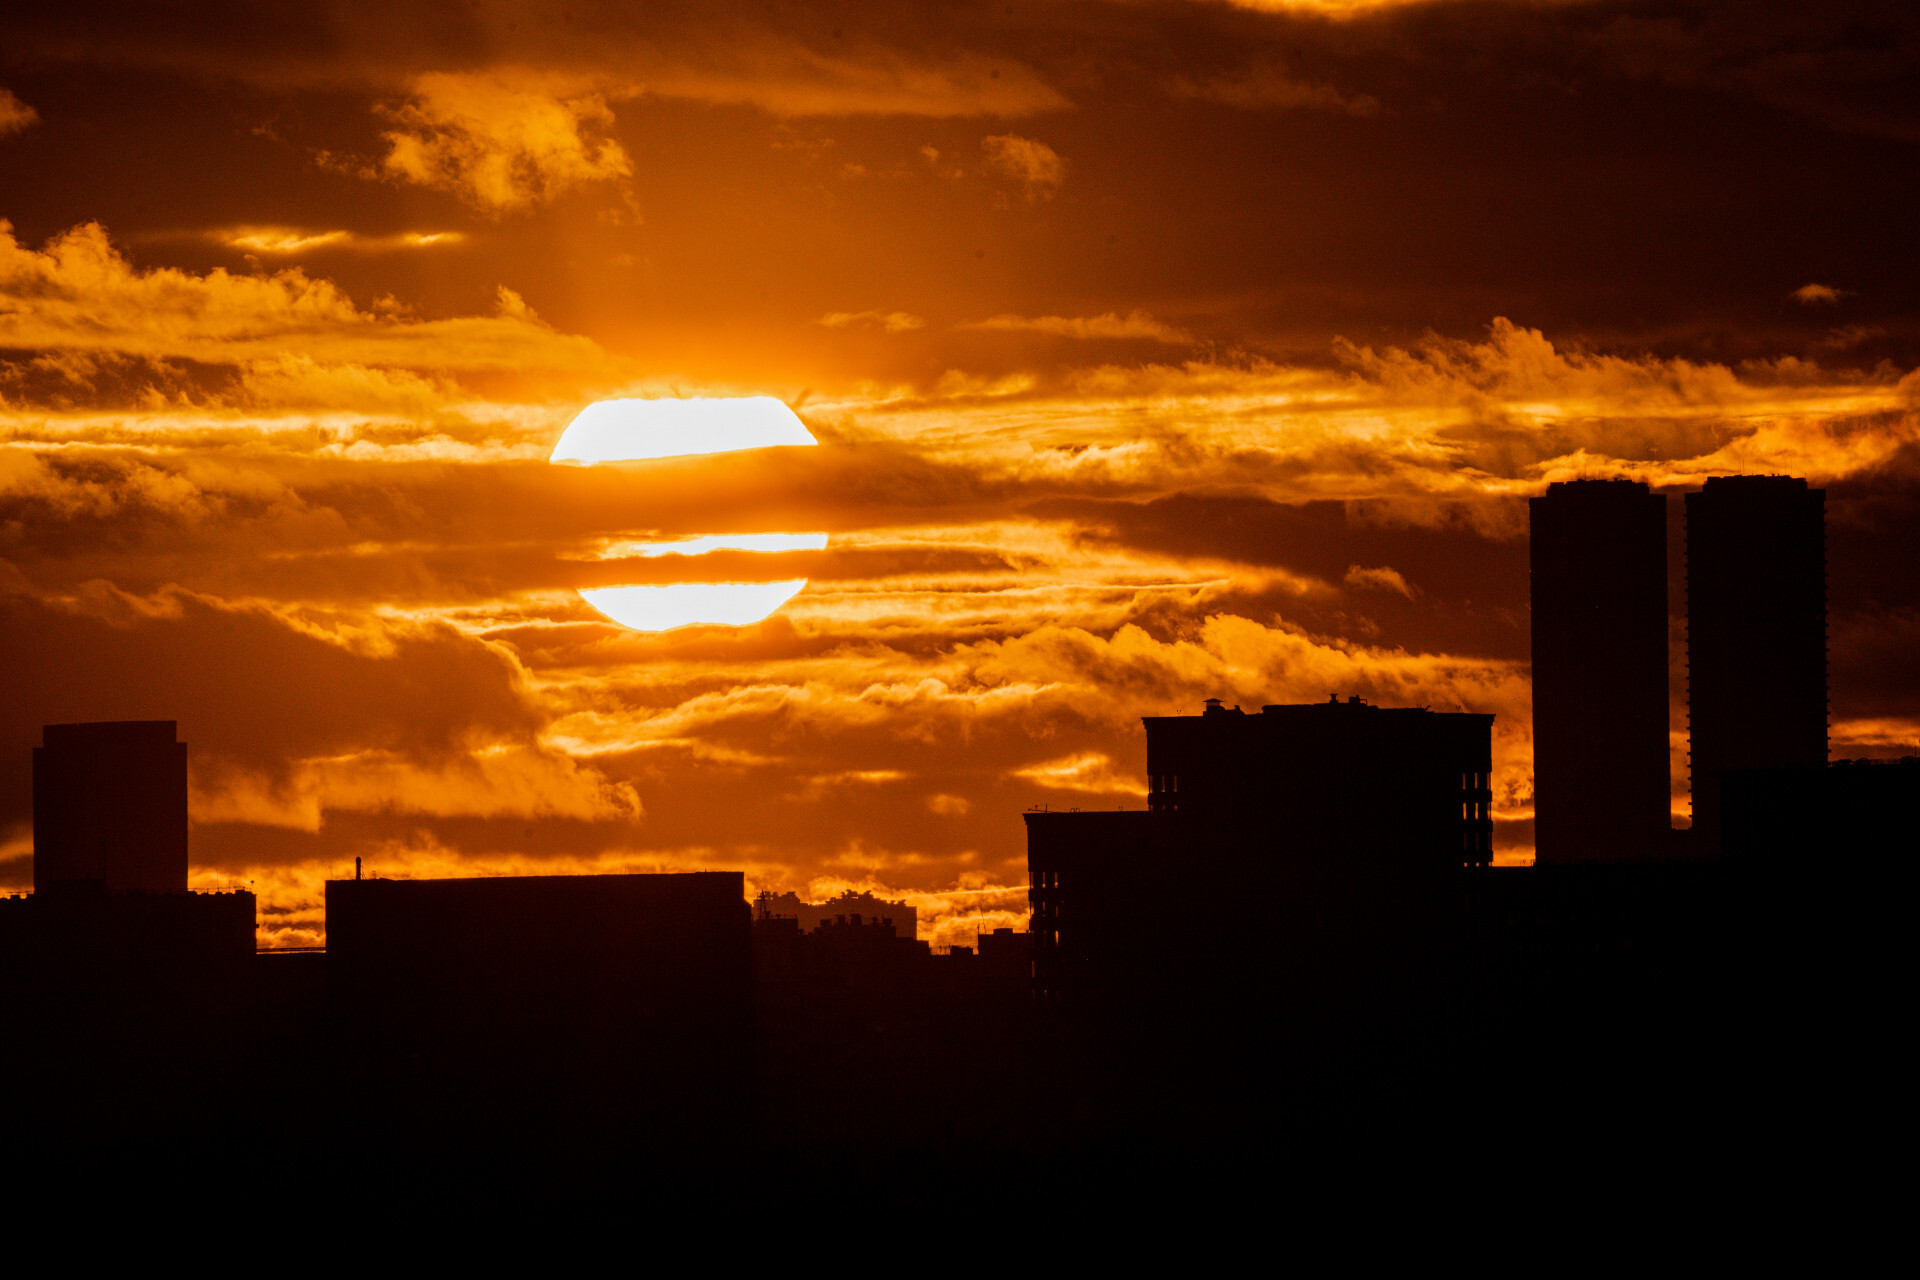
[1006, 952]
[110, 867]
[811, 915]
[843, 953]
[569, 1012]
[1863, 814]
[133, 932]
[1756, 633]
[869, 1043]
[1282, 924]
[1600, 745]
[110, 808]
[1343, 780]
[127, 996]
[1305, 801]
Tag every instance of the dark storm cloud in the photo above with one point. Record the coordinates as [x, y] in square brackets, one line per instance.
[253, 690]
[1642, 176]
[800, 59]
[1845, 61]
[317, 529]
[1462, 565]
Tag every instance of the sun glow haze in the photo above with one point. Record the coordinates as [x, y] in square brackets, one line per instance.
[1097, 306]
[720, 542]
[637, 430]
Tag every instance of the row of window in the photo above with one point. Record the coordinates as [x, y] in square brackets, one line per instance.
[1158, 782]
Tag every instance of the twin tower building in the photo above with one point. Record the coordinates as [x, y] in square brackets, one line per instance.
[1756, 655]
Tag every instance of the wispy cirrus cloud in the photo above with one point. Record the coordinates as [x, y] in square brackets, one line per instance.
[1133, 325]
[887, 321]
[1328, 8]
[1273, 88]
[1089, 771]
[295, 241]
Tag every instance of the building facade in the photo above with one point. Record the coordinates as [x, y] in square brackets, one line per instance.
[110, 808]
[549, 1004]
[1321, 817]
[1346, 780]
[1601, 777]
[1756, 633]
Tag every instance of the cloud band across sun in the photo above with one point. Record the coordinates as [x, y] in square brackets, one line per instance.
[633, 431]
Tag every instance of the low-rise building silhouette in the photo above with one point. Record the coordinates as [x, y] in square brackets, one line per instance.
[1862, 813]
[1295, 808]
[1006, 951]
[847, 905]
[565, 1007]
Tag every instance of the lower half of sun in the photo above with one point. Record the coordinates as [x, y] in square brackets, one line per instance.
[665, 606]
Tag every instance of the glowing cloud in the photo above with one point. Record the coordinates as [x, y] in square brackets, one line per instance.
[15, 115]
[288, 241]
[1035, 165]
[501, 145]
[634, 430]
[719, 542]
[688, 604]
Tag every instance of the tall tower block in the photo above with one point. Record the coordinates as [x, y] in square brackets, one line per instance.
[110, 808]
[1599, 568]
[1756, 632]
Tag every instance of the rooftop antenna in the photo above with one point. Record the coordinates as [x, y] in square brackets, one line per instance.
[356, 868]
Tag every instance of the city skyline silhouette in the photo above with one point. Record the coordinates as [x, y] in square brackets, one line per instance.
[1342, 956]
[789, 615]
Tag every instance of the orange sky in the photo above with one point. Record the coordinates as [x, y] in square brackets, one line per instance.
[1156, 351]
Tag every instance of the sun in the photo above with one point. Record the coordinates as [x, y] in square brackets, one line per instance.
[635, 430]
[639, 430]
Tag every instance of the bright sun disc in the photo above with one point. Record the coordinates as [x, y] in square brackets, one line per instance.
[635, 430]
[687, 604]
